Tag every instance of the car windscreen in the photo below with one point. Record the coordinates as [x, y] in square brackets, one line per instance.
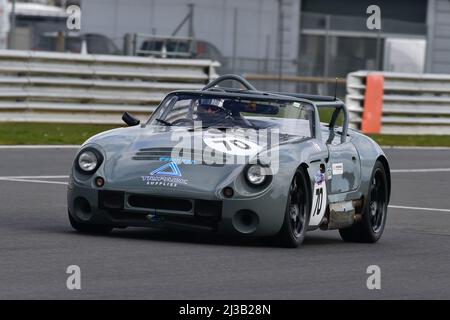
[293, 117]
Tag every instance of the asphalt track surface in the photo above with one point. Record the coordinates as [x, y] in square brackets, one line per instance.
[37, 245]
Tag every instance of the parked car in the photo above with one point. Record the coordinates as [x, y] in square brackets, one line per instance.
[88, 43]
[173, 47]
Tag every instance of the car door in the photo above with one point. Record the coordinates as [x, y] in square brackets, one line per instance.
[343, 168]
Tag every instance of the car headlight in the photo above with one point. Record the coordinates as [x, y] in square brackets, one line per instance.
[88, 160]
[256, 174]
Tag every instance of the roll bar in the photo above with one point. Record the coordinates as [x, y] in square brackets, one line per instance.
[316, 100]
[339, 106]
[232, 77]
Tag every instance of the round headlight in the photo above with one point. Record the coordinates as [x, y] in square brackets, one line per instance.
[256, 174]
[87, 161]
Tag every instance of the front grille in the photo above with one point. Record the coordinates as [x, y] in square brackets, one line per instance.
[203, 215]
[202, 208]
[110, 199]
[153, 202]
[130, 216]
[185, 222]
[208, 208]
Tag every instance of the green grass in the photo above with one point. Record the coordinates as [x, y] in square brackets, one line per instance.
[410, 140]
[51, 133]
[48, 133]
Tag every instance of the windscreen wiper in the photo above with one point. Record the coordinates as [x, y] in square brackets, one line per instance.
[164, 122]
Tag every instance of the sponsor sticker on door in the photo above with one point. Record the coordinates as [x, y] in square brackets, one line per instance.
[338, 168]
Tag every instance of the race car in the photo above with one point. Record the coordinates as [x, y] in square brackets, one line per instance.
[234, 161]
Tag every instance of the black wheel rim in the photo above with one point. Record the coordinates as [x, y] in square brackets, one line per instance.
[297, 206]
[378, 201]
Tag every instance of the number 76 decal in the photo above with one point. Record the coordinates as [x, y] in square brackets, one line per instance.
[232, 145]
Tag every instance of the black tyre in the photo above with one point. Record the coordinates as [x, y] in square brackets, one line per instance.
[298, 206]
[89, 228]
[371, 226]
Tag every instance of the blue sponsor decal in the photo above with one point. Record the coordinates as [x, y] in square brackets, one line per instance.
[168, 175]
[168, 169]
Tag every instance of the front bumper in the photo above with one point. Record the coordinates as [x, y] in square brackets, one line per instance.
[262, 215]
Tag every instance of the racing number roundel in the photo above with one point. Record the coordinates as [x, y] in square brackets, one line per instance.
[232, 145]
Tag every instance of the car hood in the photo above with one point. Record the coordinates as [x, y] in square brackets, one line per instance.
[160, 157]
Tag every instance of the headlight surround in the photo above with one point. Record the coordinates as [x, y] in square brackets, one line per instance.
[88, 160]
[256, 174]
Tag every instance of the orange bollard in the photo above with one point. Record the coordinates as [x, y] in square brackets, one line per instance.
[373, 103]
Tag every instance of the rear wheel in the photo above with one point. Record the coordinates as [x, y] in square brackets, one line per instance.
[89, 228]
[371, 226]
[296, 217]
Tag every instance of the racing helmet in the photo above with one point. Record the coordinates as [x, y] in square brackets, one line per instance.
[209, 110]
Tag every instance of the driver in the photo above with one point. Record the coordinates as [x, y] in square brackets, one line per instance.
[219, 112]
[210, 111]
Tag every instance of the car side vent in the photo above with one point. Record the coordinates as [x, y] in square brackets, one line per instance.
[208, 208]
[110, 199]
[152, 154]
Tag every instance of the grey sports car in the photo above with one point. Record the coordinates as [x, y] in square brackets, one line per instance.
[234, 161]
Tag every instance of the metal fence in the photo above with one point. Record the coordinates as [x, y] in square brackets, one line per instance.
[61, 87]
[298, 84]
[161, 46]
[412, 103]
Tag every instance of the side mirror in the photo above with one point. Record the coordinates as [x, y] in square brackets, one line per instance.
[130, 120]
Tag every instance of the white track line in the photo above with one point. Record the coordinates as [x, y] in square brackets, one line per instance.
[418, 208]
[17, 179]
[61, 146]
[34, 177]
[414, 148]
[421, 170]
[33, 181]
[69, 146]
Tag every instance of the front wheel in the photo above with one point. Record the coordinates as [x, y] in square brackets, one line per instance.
[89, 228]
[296, 217]
[371, 226]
